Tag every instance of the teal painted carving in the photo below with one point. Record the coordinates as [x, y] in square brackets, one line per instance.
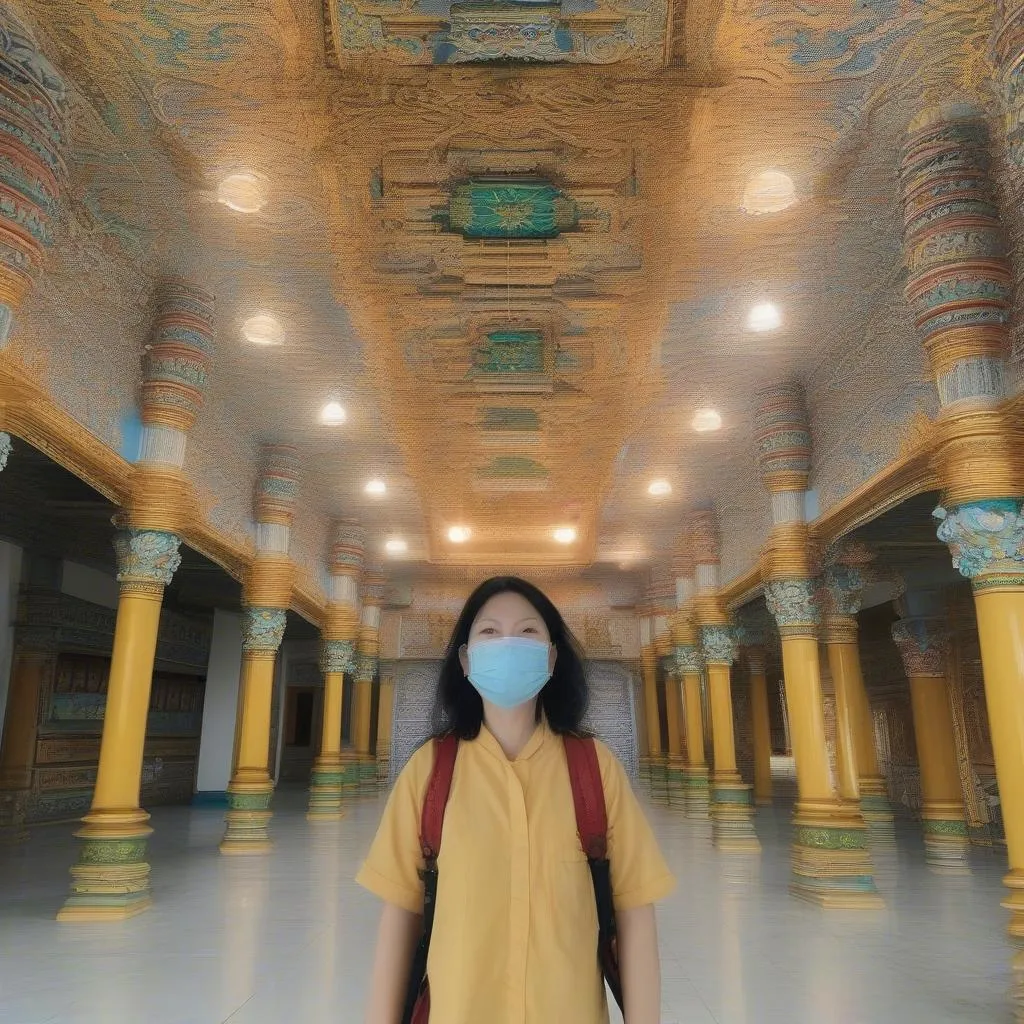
[792, 602]
[146, 556]
[510, 418]
[845, 585]
[719, 643]
[984, 537]
[511, 352]
[337, 656]
[831, 838]
[366, 667]
[113, 851]
[508, 466]
[944, 828]
[689, 659]
[507, 208]
[263, 629]
[249, 801]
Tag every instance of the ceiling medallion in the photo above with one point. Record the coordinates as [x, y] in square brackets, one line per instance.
[565, 534]
[244, 192]
[769, 192]
[764, 317]
[333, 414]
[497, 208]
[705, 421]
[263, 330]
[376, 488]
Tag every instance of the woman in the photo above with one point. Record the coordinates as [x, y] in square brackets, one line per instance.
[515, 926]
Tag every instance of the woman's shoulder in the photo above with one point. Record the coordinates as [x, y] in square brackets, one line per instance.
[608, 763]
[418, 769]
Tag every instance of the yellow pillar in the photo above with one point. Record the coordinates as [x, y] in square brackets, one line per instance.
[367, 654]
[673, 715]
[831, 864]
[698, 776]
[924, 650]
[731, 809]
[337, 657]
[762, 727]
[847, 785]
[111, 879]
[251, 788]
[385, 715]
[18, 750]
[649, 676]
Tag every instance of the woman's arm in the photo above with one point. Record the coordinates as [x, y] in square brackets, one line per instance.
[396, 942]
[639, 965]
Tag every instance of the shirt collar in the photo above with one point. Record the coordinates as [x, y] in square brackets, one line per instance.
[533, 744]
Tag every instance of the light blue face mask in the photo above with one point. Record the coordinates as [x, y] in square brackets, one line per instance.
[509, 671]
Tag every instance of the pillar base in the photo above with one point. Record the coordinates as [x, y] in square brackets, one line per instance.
[698, 793]
[325, 790]
[877, 811]
[946, 843]
[248, 816]
[732, 822]
[830, 859]
[12, 816]
[110, 882]
[659, 779]
[645, 771]
[367, 773]
[383, 767]
[674, 781]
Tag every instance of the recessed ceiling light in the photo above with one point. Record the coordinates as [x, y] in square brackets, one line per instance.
[376, 488]
[396, 546]
[459, 534]
[565, 534]
[764, 317]
[244, 192]
[333, 414]
[769, 192]
[706, 420]
[263, 330]
[659, 488]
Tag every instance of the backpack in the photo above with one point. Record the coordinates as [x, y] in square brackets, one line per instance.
[591, 824]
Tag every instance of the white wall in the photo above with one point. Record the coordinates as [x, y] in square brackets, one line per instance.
[10, 582]
[89, 584]
[220, 703]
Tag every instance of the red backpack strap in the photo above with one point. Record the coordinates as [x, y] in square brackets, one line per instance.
[446, 749]
[587, 795]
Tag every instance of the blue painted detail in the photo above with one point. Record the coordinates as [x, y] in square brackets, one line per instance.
[812, 506]
[210, 798]
[131, 435]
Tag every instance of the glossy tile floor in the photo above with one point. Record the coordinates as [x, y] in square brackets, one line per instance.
[287, 939]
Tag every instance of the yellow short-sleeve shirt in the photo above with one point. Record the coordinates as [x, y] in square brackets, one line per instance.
[515, 928]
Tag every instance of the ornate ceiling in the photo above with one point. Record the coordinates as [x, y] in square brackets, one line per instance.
[517, 241]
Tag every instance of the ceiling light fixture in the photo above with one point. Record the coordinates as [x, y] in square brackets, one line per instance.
[263, 330]
[659, 488]
[764, 317]
[459, 534]
[769, 192]
[396, 546]
[565, 534]
[706, 420]
[244, 192]
[376, 487]
[333, 414]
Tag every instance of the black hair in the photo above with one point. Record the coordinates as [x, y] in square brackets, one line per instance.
[563, 701]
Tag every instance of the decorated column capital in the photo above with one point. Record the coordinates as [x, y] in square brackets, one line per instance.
[146, 558]
[923, 646]
[986, 540]
[338, 656]
[794, 605]
[718, 644]
[262, 629]
[689, 659]
[365, 667]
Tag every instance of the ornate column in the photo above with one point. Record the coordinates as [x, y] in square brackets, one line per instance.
[755, 631]
[33, 135]
[690, 665]
[959, 288]
[924, 648]
[267, 595]
[385, 714]
[673, 760]
[337, 656]
[111, 879]
[831, 865]
[651, 765]
[35, 647]
[844, 580]
[731, 807]
[648, 684]
[366, 676]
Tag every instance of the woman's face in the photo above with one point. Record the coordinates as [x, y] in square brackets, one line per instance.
[504, 615]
